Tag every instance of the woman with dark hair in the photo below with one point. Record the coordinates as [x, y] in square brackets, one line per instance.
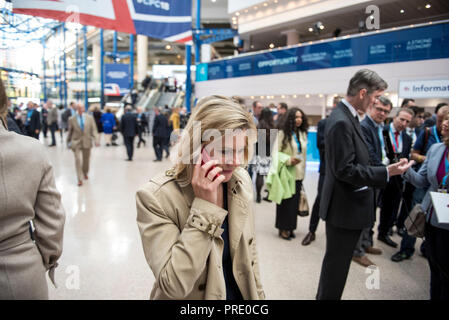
[263, 149]
[434, 175]
[292, 140]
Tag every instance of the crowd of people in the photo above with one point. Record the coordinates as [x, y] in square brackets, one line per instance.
[195, 214]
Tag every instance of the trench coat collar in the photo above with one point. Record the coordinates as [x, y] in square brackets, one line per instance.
[238, 204]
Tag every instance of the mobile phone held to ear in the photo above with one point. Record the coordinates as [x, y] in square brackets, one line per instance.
[205, 157]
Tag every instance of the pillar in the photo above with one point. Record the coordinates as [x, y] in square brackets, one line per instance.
[96, 62]
[142, 57]
[292, 36]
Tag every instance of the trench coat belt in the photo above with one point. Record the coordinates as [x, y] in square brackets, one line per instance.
[15, 240]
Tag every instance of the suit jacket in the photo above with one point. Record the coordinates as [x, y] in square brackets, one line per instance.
[35, 121]
[82, 139]
[27, 192]
[320, 144]
[160, 126]
[52, 116]
[181, 247]
[347, 200]
[406, 144]
[128, 125]
[426, 177]
[371, 135]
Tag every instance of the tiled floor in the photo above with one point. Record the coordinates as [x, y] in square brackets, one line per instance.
[103, 257]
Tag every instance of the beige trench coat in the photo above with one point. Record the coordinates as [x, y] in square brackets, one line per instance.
[182, 241]
[27, 192]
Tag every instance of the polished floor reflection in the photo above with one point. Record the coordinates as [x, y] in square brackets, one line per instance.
[103, 256]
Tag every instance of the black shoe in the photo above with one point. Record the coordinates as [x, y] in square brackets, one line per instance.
[168, 155]
[128, 159]
[399, 256]
[292, 235]
[156, 160]
[390, 232]
[266, 197]
[402, 231]
[258, 200]
[387, 240]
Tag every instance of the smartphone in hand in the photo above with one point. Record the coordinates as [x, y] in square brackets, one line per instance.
[205, 157]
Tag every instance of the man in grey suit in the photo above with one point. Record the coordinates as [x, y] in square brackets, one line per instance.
[347, 203]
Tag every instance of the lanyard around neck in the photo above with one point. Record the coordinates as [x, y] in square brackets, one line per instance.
[396, 145]
[435, 133]
[446, 171]
[297, 142]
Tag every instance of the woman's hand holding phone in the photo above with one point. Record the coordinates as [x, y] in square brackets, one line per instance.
[207, 178]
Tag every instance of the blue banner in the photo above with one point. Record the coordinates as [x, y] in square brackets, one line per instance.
[117, 79]
[420, 43]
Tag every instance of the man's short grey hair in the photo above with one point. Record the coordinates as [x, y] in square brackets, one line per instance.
[386, 102]
[366, 79]
[407, 110]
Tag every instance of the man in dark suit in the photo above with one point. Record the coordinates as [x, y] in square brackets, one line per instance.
[315, 216]
[33, 121]
[128, 127]
[161, 132]
[371, 127]
[347, 201]
[398, 145]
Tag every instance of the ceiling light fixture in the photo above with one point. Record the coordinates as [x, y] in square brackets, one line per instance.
[168, 47]
[271, 45]
[402, 11]
[265, 4]
[428, 6]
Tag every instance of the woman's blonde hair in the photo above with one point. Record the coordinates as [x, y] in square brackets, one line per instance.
[3, 104]
[212, 113]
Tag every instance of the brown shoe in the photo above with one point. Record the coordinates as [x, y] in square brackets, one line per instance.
[86, 177]
[373, 250]
[284, 234]
[308, 239]
[80, 183]
[363, 261]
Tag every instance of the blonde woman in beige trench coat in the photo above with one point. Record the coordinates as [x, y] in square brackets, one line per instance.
[192, 234]
[27, 192]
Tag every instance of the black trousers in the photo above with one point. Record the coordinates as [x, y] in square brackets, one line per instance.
[390, 205]
[158, 143]
[53, 128]
[129, 143]
[437, 251]
[315, 216]
[287, 211]
[340, 245]
[44, 128]
[406, 205]
[141, 130]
